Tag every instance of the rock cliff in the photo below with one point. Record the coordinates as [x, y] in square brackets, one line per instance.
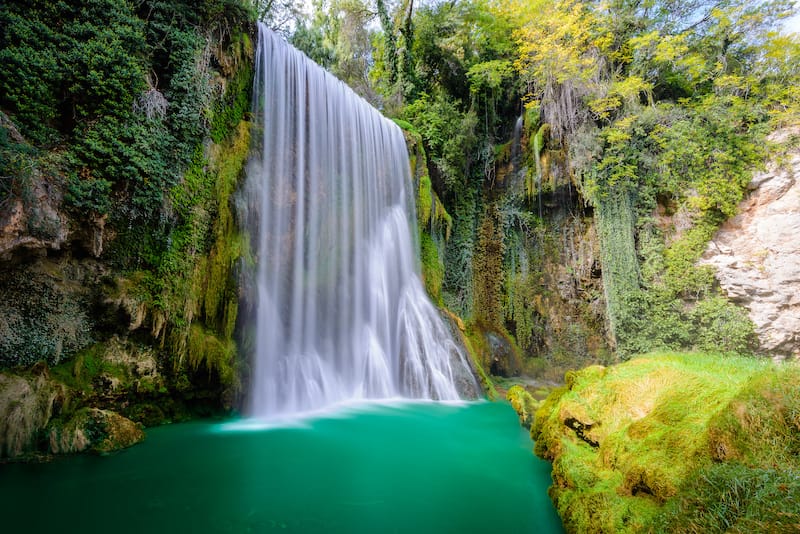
[757, 253]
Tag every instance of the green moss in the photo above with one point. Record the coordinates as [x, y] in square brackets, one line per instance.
[432, 267]
[635, 445]
[731, 497]
[80, 371]
[230, 110]
[207, 350]
[476, 346]
[99, 431]
[523, 403]
[488, 270]
[194, 283]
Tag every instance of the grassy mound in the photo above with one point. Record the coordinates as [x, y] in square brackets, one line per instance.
[675, 443]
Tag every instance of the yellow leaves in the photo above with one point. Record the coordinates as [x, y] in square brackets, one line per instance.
[603, 107]
[625, 91]
[554, 39]
[531, 102]
[723, 18]
[620, 132]
[604, 41]
[645, 41]
[658, 47]
[732, 84]
[670, 48]
[694, 66]
[630, 88]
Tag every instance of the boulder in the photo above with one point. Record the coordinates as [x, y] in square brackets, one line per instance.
[95, 430]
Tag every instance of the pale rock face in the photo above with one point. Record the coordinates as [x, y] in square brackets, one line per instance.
[757, 254]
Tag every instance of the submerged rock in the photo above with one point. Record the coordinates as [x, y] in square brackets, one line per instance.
[99, 431]
[757, 255]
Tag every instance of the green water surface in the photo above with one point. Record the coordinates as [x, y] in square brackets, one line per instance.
[379, 468]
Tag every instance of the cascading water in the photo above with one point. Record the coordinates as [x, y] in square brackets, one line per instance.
[341, 311]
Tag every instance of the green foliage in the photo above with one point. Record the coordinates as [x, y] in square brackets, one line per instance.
[615, 228]
[69, 62]
[89, 195]
[700, 156]
[448, 134]
[708, 75]
[458, 256]
[128, 88]
[458, 45]
[521, 308]
[129, 92]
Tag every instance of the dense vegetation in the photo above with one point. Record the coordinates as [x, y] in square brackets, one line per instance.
[123, 140]
[645, 109]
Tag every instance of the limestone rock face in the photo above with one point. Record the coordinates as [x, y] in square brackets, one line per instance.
[31, 221]
[26, 405]
[757, 254]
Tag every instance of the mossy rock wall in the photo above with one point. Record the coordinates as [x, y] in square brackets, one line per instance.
[133, 305]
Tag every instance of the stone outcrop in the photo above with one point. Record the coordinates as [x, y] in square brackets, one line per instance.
[30, 220]
[757, 253]
[99, 431]
[27, 404]
[36, 408]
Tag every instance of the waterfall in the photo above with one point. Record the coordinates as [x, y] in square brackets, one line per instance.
[341, 311]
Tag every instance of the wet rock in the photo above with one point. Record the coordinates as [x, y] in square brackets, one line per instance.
[465, 377]
[504, 359]
[30, 220]
[137, 368]
[27, 404]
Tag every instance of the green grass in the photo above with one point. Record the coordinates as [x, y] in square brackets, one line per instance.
[639, 446]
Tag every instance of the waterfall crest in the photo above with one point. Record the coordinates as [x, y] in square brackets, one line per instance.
[341, 312]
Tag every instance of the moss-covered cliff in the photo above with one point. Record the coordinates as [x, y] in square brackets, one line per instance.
[123, 138]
